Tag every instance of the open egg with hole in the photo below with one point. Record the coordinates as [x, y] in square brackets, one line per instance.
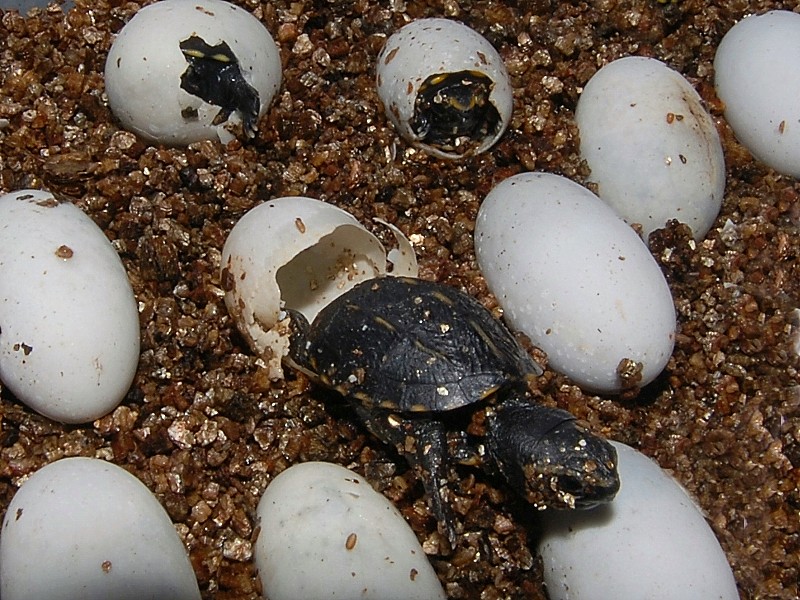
[69, 322]
[181, 71]
[444, 87]
[85, 529]
[653, 150]
[298, 253]
[577, 280]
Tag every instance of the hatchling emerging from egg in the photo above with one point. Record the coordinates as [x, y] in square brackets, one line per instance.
[418, 360]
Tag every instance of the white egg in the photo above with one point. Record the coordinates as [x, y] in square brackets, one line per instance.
[85, 529]
[650, 542]
[757, 78]
[421, 58]
[298, 253]
[326, 534]
[69, 324]
[170, 79]
[653, 150]
[578, 281]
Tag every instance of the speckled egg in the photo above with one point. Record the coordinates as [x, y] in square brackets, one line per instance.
[444, 87]
[85, 529]
[181, 71]
[653, 150]
[69, 323]
[326, 534]
[651, 542]
[757, 77]
[578, 281]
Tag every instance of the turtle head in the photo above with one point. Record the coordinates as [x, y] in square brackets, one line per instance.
[551, 459]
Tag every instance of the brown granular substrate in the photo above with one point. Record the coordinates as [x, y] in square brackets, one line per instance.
[206, 430]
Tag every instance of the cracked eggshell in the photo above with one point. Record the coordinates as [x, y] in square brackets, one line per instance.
[431, 46]
[325, 533]
[651, 542]
[69, 323]
[85, 529]
[298, 253]
[144, 67]
[653, 150]
[577, 280]
[757, 77]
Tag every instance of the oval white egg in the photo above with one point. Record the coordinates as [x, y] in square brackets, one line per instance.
[756, 76]
[326, 534]
[650, 542]
[578, 281]
[434, 48]
[156, 88]
[85, 529]
[298, 253]
[69, 324]
[653, 150]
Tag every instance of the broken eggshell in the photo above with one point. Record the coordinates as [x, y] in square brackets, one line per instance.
[432, 67]
[181, 70]
[298, 253]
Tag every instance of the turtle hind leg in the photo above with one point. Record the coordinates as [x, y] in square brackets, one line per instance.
[424, 444]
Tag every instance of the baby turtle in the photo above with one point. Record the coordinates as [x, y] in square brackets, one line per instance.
[419, 360]
[452, 107]
[214, 74]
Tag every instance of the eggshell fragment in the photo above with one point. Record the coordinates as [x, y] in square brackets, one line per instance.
[654, 152]
[298, 253]
[69, 324]
[145, 66]
[651, 542]
[85, 529]
[756, 76]
[325, 533]
[578, 281]
[427, 47]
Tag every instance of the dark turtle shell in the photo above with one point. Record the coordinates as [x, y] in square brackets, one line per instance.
[413, 345]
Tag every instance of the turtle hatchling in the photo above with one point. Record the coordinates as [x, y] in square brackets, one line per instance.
[417, 360]
[214, 74]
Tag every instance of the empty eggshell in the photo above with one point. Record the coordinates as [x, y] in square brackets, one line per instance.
[650, 542]
[69, 324]
[298, 253]
[578, 281]
[85, 529]
[326, 534]
[178, 66]
[653, 150]
[437, 48]
[756, 76]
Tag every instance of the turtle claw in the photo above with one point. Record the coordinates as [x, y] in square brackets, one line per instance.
[428, 454]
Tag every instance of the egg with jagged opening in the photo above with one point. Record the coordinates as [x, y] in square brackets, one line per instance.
[444, 87]
[299, 253]
[181, 71]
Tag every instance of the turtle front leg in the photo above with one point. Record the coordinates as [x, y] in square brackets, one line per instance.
[424, 444]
